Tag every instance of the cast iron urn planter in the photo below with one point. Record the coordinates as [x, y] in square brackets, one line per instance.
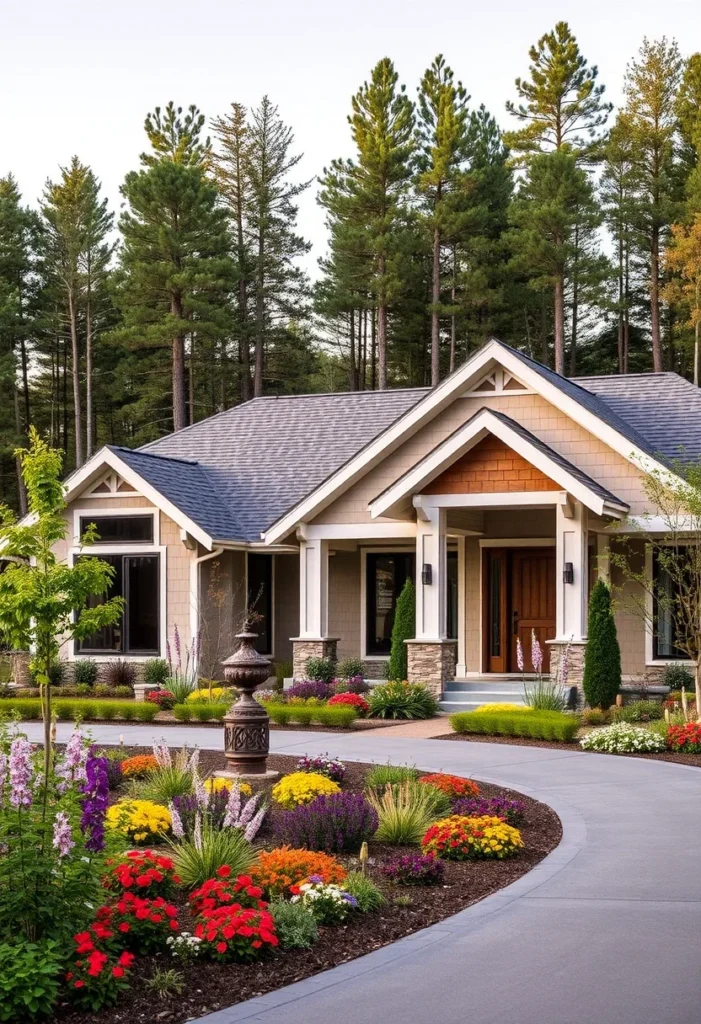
[246, 724]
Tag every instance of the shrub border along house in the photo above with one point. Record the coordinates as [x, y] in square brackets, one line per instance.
[538, 725]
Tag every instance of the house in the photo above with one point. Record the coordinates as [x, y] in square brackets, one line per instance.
[500, 492]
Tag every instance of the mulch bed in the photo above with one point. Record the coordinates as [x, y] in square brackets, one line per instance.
[210, 986]
[694, 760]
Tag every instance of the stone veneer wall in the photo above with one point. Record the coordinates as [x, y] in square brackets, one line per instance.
[431, 663]
[575, 662]
[303, 650]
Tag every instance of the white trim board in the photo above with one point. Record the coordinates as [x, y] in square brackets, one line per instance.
[98, 513]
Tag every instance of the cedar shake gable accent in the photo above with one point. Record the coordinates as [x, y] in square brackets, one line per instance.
[488, 468]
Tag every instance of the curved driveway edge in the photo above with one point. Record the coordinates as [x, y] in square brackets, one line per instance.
[605, 930]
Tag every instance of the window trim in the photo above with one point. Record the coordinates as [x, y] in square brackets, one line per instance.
[650, 658]
[403, 549]
[87, 519]
[85, 513]
[271, 653]
[156, 548]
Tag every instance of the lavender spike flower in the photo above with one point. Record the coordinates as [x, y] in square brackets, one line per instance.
[3, 777]
[247, 812]
[201, 794]
[194, 762]
[62, 838]
[96, 791]
[233, 807]
[176, 641]
[176, 822]
[254, 824]
[168, 657]
[536, 653]
[161, 752]
[20, 772]
[519, 654]
[197, 835]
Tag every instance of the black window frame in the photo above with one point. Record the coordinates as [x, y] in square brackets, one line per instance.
[115, 539]
[125, 648]
[657, 654]
[264, 642]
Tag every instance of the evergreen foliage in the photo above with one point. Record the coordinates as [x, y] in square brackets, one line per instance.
[602, 663]
[404, 628]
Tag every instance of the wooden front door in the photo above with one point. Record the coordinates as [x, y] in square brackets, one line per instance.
[518, 597]
[532, 602]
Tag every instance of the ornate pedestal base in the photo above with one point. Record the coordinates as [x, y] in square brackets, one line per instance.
[267, 776]
[431, 662]
[246, 724]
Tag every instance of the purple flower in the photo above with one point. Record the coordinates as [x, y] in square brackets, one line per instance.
[161, 752]
[494, 806]
[536, 653]
[310, 688]
[72, 768]
[341, 821]
[63, 838]
[201, 794]
[3, 776]
[251, 829]
[315, 879]
[186, 808]
[331, 767]
[176, 641]
[414, 869]
[350, 900]
[233, 807]
[20, 772]
[94, 803]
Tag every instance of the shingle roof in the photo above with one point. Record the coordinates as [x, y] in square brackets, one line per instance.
[264, 456]
[663, 407]
[236, 473]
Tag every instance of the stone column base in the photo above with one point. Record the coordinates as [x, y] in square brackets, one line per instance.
[431, 662]
[303, 649]
[19, 669]
[575, 661]
[141, 689]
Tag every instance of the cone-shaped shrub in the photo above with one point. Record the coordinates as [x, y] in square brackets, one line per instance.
[403, 629]
[602, 664]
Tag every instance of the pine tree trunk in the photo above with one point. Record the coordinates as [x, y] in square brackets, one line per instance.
[626, 312]
[75, 357]
[260, 320]
[21, 490]
[575, 304]
[364, 361]
[620, 305]
[453, 318]
[178, 367]
[655, 300]
[381, 330]
[373, 350]
[435, 319]
[89, 429]
[191, 379]
[544, 354]
[559, 313]
[352, 381]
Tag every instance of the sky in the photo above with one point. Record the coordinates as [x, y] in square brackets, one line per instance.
[79, 76]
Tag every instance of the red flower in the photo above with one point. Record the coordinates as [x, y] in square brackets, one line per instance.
[224, 871]
[126, 959]
[221, 947]
[124, 926]
[117, 972]
[78, 984]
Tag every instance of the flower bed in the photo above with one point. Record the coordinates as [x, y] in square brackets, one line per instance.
[214, 944]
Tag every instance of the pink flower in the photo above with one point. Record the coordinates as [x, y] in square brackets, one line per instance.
[20, 772]
[63, 839]
[519, 654]
[536, 653]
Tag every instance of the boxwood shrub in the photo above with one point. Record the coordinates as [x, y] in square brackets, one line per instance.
[338, 716]
[87, 709]
[540, 725]
[204, 711]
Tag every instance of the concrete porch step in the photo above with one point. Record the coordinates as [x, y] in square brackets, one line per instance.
[508, 686]
[447, 703]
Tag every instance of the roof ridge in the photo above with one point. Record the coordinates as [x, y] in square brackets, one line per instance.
[332, 394]
[151, 455]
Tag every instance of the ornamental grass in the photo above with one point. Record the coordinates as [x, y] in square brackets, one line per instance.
[404, 812]
[458, 838]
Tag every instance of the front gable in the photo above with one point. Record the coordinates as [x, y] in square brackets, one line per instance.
[556, 411]
[490, 467]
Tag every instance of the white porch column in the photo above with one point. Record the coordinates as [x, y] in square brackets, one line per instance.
[431, 550]
[313, 589]
[571, 549]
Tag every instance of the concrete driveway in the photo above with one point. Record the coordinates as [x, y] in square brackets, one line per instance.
[606, 930]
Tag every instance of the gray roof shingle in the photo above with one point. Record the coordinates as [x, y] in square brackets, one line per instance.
[264, 456]
[237, 472]
[663, 407]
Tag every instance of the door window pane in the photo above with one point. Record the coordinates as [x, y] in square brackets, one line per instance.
[665, 624]
[260, 600]
[120, 529]
[452, 595]
[495, 623]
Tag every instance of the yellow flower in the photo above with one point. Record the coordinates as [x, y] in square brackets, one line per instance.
[213, 785]
[302, 787]
[138, 819]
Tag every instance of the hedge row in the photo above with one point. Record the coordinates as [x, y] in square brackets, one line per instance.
[29, 709]
[337, 716]
[538, 725]
[200, 711]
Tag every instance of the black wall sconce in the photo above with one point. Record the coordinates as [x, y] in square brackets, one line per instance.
[426, 574]
[568, 573]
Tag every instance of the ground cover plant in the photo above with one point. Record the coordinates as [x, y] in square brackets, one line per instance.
[623, 738]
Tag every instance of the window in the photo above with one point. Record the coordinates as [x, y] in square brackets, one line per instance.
[260, 600]
[452, 596]
[665, 627]
[120, 529]
[386, 575]
[137, 580]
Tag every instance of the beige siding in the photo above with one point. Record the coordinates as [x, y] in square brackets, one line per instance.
[542, 419]
[344, 602]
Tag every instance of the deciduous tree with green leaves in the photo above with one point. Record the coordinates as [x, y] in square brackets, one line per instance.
[44, 600]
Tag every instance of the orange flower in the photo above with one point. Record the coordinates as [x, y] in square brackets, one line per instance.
[276, 870]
